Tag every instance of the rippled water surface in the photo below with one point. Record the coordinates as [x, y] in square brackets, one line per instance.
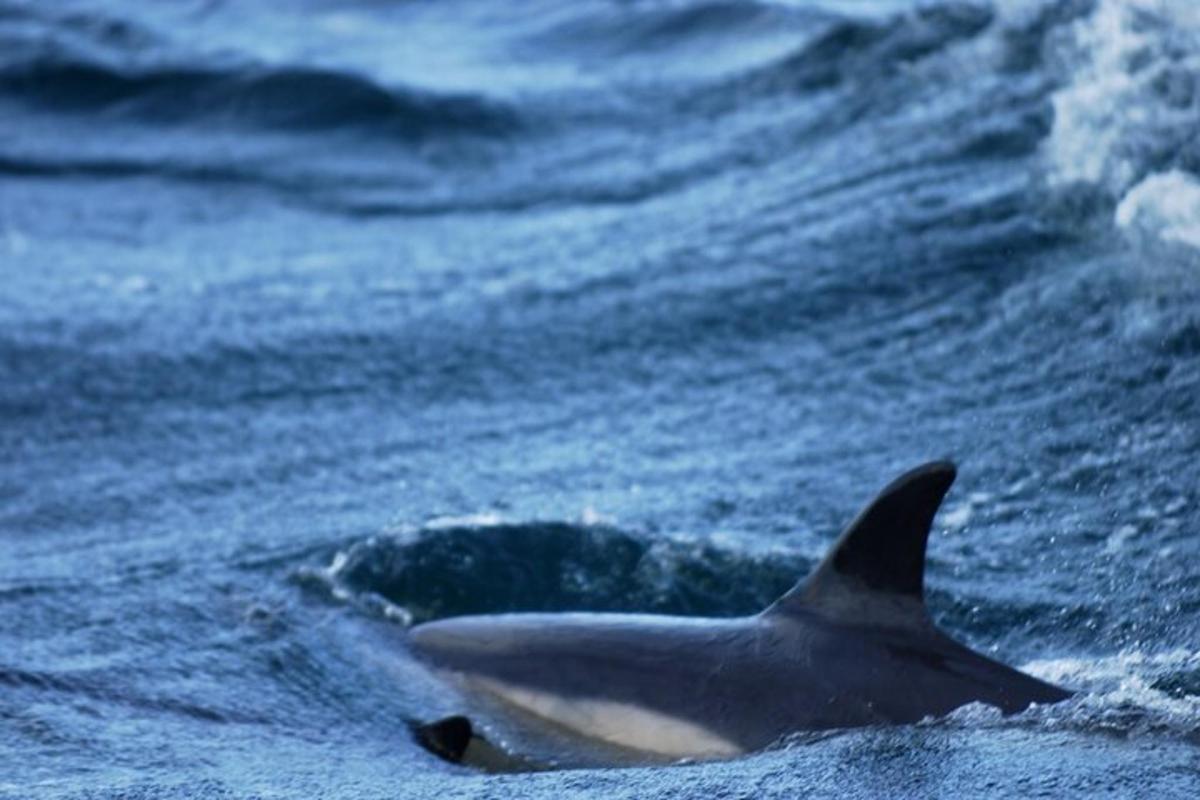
[321, 317]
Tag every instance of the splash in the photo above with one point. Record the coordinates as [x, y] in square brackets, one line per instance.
[1132, 693]
[1166, 205]
[1126, 122]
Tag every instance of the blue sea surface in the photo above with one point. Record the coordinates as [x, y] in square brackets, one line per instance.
[319, 318]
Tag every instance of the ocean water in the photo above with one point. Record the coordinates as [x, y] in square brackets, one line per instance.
[318, 318]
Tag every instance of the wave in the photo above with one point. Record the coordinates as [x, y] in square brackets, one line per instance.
[288, 98]
[494, 567]
[106, 687]
[90, 63]
[863, 50]
[1097, 101]
[1126, 117]
[652, 31]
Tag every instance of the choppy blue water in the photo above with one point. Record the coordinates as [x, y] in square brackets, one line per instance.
[321, 316]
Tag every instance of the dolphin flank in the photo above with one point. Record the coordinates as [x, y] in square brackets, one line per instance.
[849, 645]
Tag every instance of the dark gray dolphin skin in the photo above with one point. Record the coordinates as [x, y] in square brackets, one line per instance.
[850, 645]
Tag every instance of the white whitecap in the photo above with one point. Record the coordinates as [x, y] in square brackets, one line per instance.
[1164, 205]
[1123, 692]
[1132, 68]
[487, 519]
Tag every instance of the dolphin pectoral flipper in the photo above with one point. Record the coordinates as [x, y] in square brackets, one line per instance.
[875, 573]
[455, 739]
[447, 738]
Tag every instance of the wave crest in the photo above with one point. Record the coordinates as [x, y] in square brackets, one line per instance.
[441, 571]
[1125, 120]
[284, 98]
[865, 50]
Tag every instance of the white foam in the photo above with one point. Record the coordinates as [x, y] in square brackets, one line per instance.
[1121, 692]
[1118, 694]
[1165, 205]
[1117, 539]
[1089, 113]
[1132, 65]
[487, 519]
[958, 517]
[591, 517]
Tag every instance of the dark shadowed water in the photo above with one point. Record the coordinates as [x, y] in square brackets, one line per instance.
[319, 317]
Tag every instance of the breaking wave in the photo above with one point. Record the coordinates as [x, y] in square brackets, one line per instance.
[1127, 119]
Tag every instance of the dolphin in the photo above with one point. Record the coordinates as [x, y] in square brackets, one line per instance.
[850, 645]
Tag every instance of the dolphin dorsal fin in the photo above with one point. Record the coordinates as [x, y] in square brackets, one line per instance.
[875, 573]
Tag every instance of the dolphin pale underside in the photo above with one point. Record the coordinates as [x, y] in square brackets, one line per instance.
[850, 645]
